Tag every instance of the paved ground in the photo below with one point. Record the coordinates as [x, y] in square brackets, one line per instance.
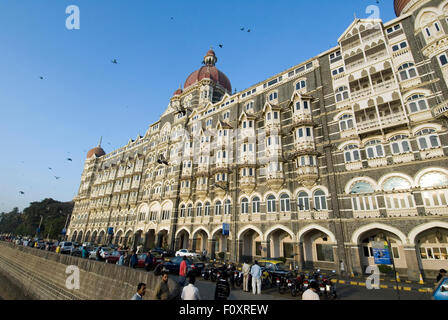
[345, 292]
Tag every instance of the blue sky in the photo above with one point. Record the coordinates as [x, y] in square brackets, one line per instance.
[84, 96]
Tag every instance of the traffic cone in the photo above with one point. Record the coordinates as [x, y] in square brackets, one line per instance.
[421, 280]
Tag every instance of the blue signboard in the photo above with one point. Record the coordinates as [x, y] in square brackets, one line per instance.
[38, 230]
[225, 229]
[381, 253]
[64, 231]
[110, 230]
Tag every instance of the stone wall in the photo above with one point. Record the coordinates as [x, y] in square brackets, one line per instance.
[41, 275]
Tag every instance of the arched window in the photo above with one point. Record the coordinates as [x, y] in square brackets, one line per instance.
[271, 204]
[407, 71]
[428, 139]
[218, 206]
[346, 122]
[227, 207]
[351, 153]
[190, 210]
[438, 197]
[244, 206]
[417, 103]
[400, 144]
[341, 94]
[320, 200]
[374, 149]
[256, 205]
[182, 211]
[398, 200]
[362, 201]
[207, 209]
[303, 203]
[285, 205]
[199, 210]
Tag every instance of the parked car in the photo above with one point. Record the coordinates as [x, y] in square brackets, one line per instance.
[114, 256]
[194, 266]
[105, 252]
[165, 252]
[66, 247]
[188, 253]
[92, 253]
[441, 290]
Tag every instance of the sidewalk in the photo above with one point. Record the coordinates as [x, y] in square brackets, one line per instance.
[386, 282]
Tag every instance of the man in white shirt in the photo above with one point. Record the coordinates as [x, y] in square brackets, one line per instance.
[311, 293]
[141, 290]
[255, 271]
[191, 292]
[246, 271]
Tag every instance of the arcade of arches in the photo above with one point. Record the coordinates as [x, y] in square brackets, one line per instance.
[423, 250]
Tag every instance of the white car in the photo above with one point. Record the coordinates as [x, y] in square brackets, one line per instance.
[188, 253]
[66, 247]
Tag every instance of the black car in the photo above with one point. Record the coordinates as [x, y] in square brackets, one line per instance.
[194, 266]
[165, 252]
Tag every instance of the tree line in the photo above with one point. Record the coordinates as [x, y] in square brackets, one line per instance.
[54, 216]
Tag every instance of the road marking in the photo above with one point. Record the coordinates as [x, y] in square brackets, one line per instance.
[362, 284]
[342, 281]
[353, 283]
[407, 288]
[383, 286]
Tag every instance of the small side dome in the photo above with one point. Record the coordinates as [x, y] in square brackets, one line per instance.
[178, 92]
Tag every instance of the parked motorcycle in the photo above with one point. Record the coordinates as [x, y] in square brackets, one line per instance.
[327, 287]
[295, 284]
[282, 284]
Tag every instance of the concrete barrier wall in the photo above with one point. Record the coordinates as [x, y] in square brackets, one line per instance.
[42, 275]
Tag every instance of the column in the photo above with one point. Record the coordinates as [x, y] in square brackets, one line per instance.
[355, 260]
[235, 254]
[414, 270]
[299, 254]
[211, 248]
[192, 244]
[264, 249]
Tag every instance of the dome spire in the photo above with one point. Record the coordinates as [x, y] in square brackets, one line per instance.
[210, 58]
[99, 144]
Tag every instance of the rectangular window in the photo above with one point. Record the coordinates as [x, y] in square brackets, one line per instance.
[443, 60]
[324, 252]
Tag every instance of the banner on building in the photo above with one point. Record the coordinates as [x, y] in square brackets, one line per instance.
[225, 229]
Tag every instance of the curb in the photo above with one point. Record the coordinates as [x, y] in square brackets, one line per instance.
[401, 288]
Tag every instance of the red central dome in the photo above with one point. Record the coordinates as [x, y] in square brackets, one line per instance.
[209, 71]
[399, 6]
[98, 151]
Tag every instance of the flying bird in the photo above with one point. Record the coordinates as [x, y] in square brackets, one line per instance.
[41, 78]
[21, 192]
[57, 178]
[220, 45]
[69, 159]
[248, 30]
[114, 61]
[242, 29]
[49, 168]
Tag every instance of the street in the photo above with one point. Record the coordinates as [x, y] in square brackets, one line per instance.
[344, 291]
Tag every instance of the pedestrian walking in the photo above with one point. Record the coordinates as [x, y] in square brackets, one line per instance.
[255, 272]
[246, 272]
[98, 254]
[183, 271]
[120, 261]
[162, 291]
[222, 290]
[134, 260]
[204, 255]
[141, 290]
[84, 252]
[441, 275]
[311, 293]
[342, 268]
[148, 261]
[190, 292]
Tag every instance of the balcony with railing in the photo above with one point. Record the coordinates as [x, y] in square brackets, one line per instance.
[366, 214]
[377, 162]
[393, 120]
[431, 153]
[302, 118]
[356, 165]
[360, 94]
[304, 144]
[403, 158]
[441, 110]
